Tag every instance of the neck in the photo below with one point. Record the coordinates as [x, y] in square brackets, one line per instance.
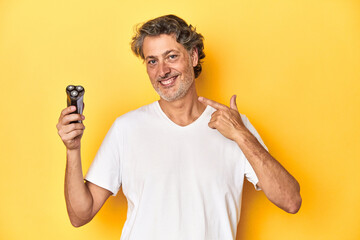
[185, 110]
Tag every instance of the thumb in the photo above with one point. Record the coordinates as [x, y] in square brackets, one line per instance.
[233, 103]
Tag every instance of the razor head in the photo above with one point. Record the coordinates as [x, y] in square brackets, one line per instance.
[75, 95]
[70, 88]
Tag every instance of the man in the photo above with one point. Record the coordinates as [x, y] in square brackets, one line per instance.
[181, 161]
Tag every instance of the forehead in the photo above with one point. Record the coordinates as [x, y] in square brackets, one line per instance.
[158, 45]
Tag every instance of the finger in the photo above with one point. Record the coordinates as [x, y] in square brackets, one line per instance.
[212, 103]
[72, 135]
[233, 103]
[225, 114]
[67, 111]
[68, 119]
[65, 121]
[72, 118]
[72, 127]
[66, 129]
[215, 114]
[212, 124]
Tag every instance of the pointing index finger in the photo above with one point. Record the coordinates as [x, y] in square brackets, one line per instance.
[212, 103]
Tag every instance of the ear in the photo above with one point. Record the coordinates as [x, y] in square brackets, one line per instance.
[194, 56]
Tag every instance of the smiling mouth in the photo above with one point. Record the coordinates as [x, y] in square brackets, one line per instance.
[169, 81]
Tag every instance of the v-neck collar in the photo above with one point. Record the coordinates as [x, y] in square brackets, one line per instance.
[198, 120]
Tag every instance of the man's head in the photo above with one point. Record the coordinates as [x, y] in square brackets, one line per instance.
[185, 34]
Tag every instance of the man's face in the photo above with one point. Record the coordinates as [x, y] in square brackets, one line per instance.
[169, 66]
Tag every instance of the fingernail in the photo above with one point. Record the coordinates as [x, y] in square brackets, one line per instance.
[200, 98]
[82, 117]
[73, 108]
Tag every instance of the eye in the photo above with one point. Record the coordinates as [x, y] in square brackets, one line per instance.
[152, 62]
[173, 56]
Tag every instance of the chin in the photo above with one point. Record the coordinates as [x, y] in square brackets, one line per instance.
[173, 97]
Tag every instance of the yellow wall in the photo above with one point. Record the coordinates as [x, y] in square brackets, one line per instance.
[295, 66]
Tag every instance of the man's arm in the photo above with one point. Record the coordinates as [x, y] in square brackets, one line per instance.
[83, 200]
[278, 185]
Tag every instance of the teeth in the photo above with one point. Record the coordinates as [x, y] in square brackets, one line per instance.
[166, 82]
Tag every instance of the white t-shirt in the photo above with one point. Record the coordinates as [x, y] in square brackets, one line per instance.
[180, 182]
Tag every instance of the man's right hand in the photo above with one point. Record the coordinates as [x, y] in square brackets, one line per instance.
[83, 200]
[70, 133]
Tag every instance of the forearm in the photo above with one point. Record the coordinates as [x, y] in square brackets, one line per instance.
[79, 201]
[278, 184]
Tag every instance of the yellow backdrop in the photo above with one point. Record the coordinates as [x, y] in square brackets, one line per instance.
[293, 64]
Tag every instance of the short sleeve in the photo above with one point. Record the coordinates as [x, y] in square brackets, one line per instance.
[249, 171]
[105, 170]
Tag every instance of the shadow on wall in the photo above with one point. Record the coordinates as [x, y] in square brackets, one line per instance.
[112, 216]
[249, 200]
[208, 83]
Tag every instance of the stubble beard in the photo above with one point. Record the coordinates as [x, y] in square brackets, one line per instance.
[178, 94]
[183, 87]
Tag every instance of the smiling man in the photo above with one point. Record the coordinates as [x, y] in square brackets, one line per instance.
[181, 161]
[171, 72]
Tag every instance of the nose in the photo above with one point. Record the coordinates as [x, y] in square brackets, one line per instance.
[164, 70]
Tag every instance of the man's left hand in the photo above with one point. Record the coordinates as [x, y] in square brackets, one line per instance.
[226, 120]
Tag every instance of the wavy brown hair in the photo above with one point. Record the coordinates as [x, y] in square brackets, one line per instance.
[185, 34]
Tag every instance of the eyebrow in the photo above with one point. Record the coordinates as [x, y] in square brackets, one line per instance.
[164, 54]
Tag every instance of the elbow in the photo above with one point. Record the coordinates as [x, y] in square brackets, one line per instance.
[78, 222]
[75, 223]
[295, 201]
[294, 205]
[79, 218]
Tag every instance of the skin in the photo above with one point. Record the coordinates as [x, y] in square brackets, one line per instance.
[170, 69]
[83, 199]
[166, 59]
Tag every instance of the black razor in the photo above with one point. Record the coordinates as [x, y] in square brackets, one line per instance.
[75, 95]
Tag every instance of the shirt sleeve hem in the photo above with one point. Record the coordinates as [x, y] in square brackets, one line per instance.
[112, 189]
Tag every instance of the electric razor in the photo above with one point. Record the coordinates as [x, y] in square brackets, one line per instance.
[75, 96]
